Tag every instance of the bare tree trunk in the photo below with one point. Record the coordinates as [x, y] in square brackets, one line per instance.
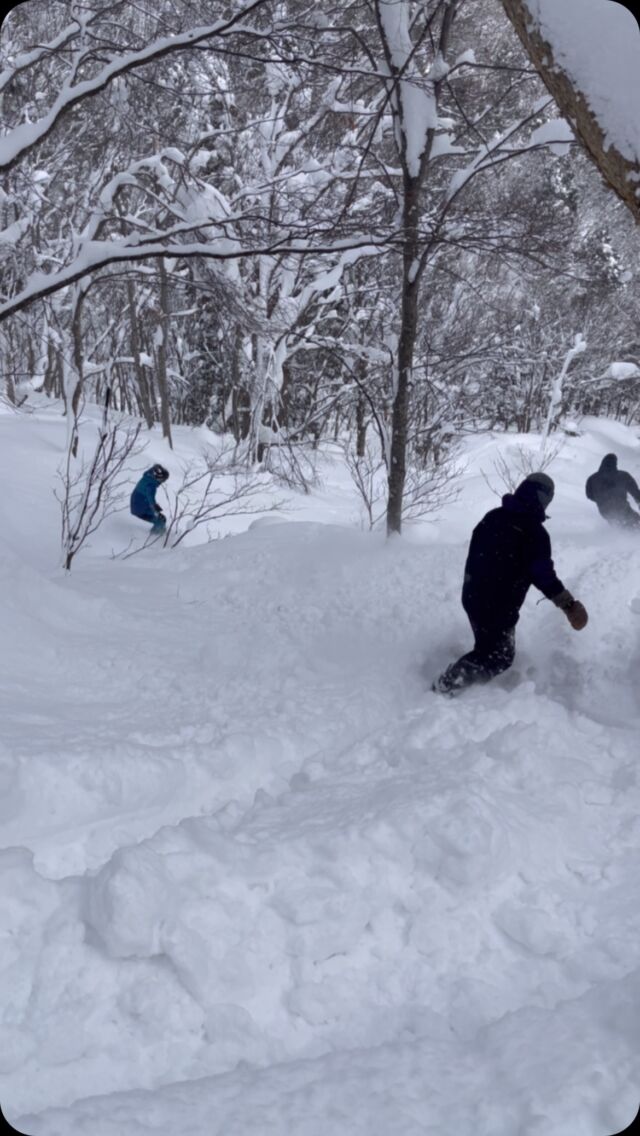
[414, 177]
[78, 359]
[406, 344]
[361, 425]
[161, 353]
[10, 389]
[286, 391]
[622, 174]
[136, 348]
[240, 397]
[53, 379]
[232, 389]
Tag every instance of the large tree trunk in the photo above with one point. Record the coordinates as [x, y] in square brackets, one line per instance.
[621, 173]
[406, 344]
[394, 34]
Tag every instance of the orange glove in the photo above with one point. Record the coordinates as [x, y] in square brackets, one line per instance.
[575, 612]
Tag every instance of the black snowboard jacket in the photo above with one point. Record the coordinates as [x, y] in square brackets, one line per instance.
[609, 488]
[509, 550]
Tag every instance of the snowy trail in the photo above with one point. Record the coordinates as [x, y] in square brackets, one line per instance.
[256, 877]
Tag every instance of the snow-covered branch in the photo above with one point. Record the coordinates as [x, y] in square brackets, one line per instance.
[18, 142]
[96, 255]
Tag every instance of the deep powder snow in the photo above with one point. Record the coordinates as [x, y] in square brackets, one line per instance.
[257, 878]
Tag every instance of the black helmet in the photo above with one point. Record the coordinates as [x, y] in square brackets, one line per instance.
[544, 487]
[159, 472]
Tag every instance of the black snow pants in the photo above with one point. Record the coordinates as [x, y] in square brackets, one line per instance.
[493, 652]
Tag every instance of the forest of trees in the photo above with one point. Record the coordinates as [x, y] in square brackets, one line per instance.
[300, 220]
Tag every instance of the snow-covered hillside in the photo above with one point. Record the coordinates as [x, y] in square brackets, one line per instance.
[257, 880]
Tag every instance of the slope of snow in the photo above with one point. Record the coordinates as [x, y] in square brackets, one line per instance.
[257, 878]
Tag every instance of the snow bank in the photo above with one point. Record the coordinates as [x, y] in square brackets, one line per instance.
[404, 1086]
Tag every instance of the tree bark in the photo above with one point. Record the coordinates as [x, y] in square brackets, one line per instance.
[286, 391]
[406, 344]
[361, 417]
[136, 348]
[161, 355]
[78, 358]
[622, 174]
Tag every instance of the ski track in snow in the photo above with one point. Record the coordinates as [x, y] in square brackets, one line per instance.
[258, 879]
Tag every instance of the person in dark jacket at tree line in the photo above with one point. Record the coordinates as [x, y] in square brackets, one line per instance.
[510, 549]
[143, 498]
[609, 488]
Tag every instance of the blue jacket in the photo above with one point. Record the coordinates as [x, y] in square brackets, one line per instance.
[510, 550]
[143, 498]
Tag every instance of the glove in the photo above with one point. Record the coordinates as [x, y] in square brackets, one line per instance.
[575, 612]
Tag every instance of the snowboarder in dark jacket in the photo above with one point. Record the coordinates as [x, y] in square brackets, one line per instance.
[143, 498]
[609, 488]
[510, 549]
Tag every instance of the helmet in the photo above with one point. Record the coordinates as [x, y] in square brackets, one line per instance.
[159, 472]
[544, 487]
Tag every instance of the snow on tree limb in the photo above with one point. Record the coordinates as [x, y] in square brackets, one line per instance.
[416, 105]
[588, 54]
[96, 255]
[22, 139]
[29, 58]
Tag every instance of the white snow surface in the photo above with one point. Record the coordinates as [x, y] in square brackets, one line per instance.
[256, 879]
[622, 371]
[597, 43]
[556, 134]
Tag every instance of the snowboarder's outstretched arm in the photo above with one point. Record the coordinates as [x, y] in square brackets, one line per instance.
[543, 573]
[632, 488]
[543, 576]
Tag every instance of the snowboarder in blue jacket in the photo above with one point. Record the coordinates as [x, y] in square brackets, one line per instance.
[509, 551]
[143, 498]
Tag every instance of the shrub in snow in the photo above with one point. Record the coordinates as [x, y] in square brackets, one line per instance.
[93, 489]
[519, 461]
[427, 488]
[221, 489]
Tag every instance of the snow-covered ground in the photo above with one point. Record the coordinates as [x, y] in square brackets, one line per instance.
[257, 880]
